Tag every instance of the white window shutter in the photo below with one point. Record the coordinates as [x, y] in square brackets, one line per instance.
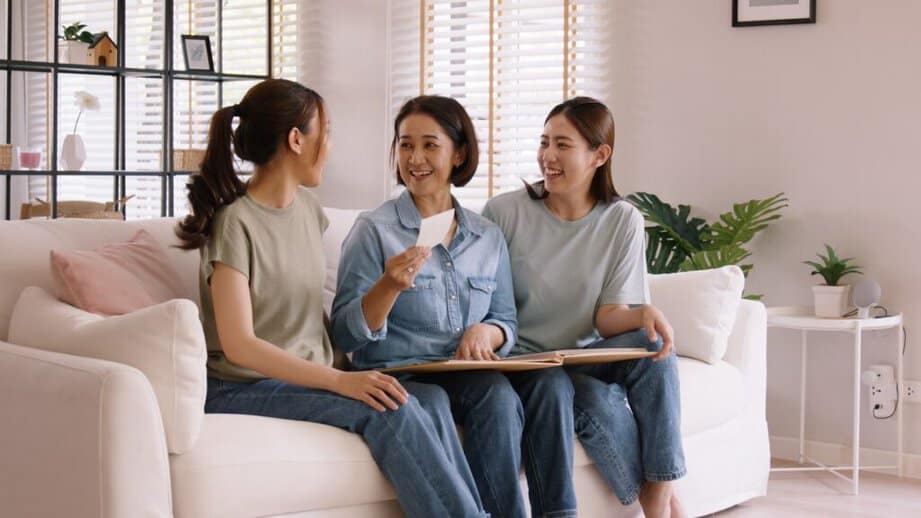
[508, 62]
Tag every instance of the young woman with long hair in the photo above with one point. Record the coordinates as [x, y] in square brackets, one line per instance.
[578, 261]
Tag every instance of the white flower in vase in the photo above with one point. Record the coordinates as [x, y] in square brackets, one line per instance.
[73, 152]
[84, 101]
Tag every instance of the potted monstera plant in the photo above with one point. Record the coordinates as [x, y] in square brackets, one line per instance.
[679, 242]
[831, 298]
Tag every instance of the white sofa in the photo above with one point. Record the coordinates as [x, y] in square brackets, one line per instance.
[84, 437]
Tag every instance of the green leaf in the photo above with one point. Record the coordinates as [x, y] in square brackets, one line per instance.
[672, 234]
[754, 296]
[724, 256]
[685, 230]
[740, 225]
[663, 255]
[833, 268]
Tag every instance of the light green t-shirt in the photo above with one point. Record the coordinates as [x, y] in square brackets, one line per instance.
[280, 252]
[564, 271]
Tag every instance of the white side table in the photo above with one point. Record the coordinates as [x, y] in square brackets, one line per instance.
[803, 319]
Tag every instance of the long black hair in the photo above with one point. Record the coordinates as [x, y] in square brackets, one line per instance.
[595, 123]
[267, 113]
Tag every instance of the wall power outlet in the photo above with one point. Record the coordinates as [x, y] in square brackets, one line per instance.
[912, 392]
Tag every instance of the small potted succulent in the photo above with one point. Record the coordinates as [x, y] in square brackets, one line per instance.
[831, 298]
[75, 42]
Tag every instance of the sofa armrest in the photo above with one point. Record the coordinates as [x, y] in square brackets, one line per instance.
[80, 437]
[747, 351]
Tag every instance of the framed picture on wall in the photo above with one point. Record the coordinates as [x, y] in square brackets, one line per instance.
[772, 12]
[197, 53]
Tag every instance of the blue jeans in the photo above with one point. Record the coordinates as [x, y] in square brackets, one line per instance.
[547, 444]
[423, 462]
[487, 407]
[627, 447]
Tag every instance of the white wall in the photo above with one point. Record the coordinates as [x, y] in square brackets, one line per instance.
[344, 58]
[828, 113]
[708, 115]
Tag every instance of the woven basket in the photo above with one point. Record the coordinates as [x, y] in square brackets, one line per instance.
[187, 159]
[6, 156]
[75, 209]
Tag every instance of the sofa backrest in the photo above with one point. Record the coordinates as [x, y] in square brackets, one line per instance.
[25, 248]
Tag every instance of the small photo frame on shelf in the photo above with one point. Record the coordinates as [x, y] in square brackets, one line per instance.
[197, 53]
[746, 13]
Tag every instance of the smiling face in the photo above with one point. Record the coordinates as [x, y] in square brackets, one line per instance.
[566, 160]
[426, 156]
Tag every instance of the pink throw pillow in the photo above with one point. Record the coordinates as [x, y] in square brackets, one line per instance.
[116, 278]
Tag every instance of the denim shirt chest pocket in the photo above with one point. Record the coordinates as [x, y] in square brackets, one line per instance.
[420, 307]
[480, 297]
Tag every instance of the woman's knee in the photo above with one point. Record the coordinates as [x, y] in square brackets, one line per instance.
[594, 395]
[550, 385]
[429, 395]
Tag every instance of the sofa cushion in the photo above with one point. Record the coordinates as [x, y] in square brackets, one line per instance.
[711, 394]
[701, 307]
[164, 341]
[274, 466]
[340, 222]
[116, 278]
[32, 240]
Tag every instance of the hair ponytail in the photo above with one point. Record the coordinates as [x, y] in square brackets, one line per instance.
[267, 113]
[216, 185]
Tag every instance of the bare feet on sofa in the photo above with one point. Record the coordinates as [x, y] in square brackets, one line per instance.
[659, 501]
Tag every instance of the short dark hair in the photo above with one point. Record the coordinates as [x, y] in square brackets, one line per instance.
[595, 123]
[454, 121]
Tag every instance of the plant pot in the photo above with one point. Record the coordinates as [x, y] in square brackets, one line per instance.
[73, 153]
[831, 301]
[73, 52]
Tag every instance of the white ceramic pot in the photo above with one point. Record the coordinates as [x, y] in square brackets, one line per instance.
[73, 153]
[831, 301]
[73, 52]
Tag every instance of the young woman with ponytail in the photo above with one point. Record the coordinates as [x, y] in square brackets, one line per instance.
[261, 281]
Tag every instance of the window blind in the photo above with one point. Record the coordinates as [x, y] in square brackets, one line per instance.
[508, 62]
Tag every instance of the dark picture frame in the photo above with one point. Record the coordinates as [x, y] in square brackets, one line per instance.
[196, 50]
[747, 13]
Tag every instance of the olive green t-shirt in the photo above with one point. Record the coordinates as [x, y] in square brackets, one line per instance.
[280, 252]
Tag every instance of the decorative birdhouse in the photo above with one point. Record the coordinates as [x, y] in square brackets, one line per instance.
[102, 51]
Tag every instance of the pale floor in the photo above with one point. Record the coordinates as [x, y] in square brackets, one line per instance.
[819, 494]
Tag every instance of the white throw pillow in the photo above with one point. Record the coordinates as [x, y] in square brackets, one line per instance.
[340, 223]
[701, 307]
[165, 342]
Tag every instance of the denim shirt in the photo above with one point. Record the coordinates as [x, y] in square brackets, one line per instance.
[467, 283]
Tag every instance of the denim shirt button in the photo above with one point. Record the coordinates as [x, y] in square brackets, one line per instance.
[453, 297]
[457, 330]
[448, 264]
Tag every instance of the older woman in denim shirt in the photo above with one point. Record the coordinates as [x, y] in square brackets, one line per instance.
[399, 304]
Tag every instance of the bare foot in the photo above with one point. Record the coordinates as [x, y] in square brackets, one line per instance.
[677, 509]
[655, 499]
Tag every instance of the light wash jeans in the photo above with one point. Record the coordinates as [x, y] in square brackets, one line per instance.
[630, 447]
[547, 444]
[507, 417]
[487, 407]
[416, 446]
